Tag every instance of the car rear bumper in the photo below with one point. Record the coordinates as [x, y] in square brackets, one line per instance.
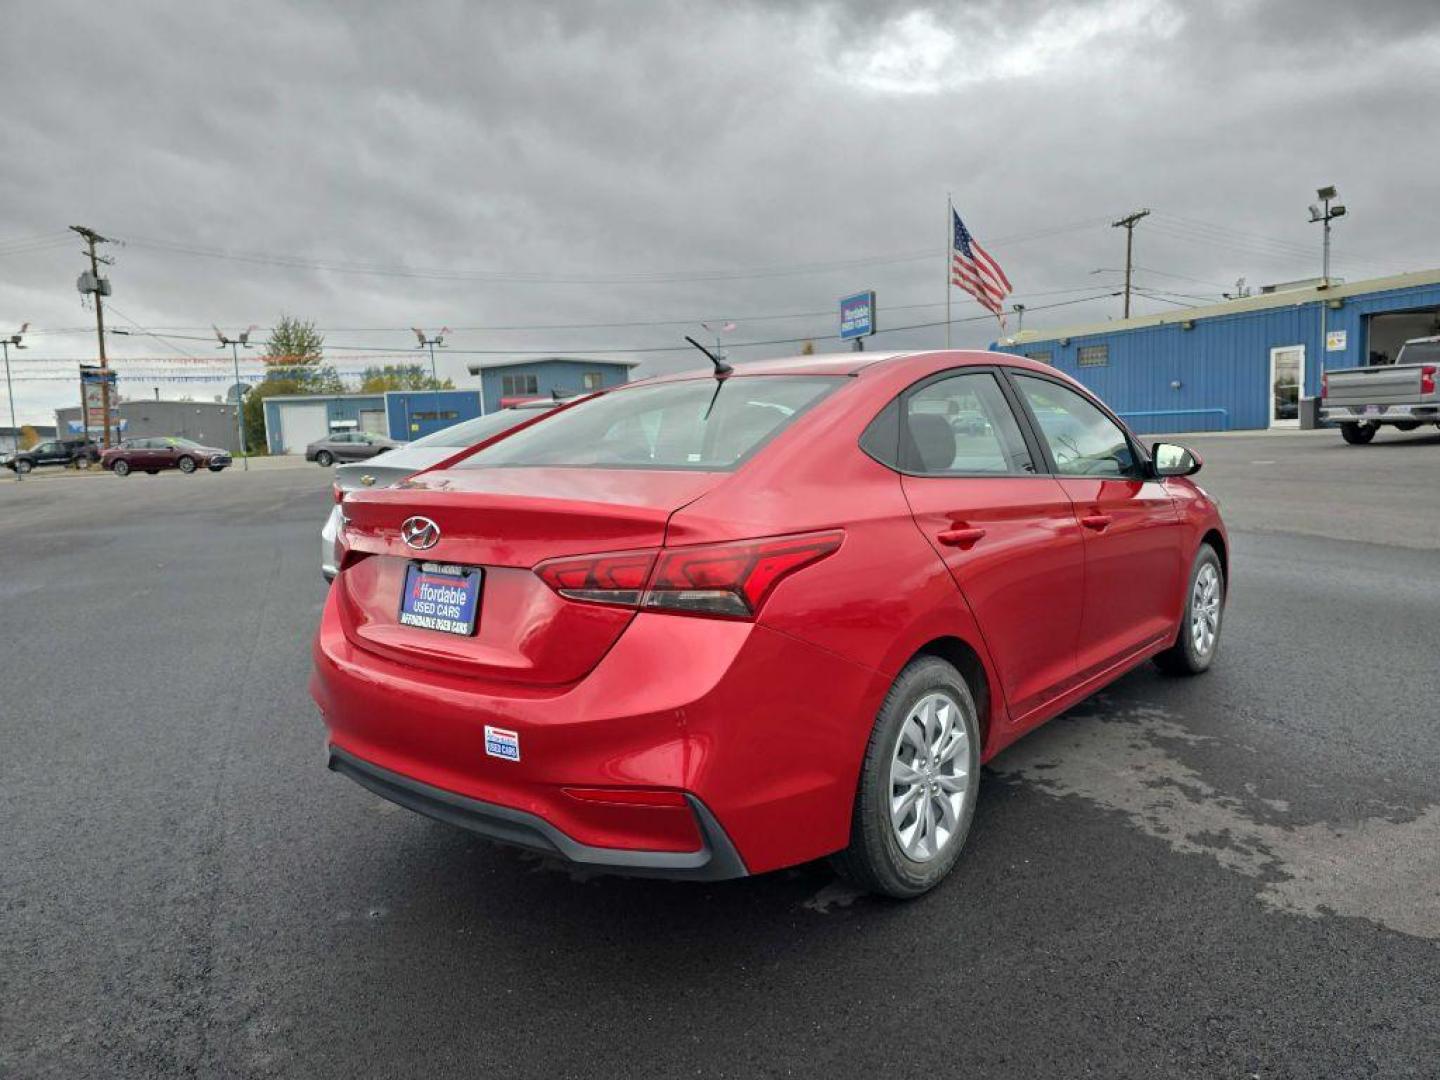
[715, 860]
[761, 733]
[1387, 414]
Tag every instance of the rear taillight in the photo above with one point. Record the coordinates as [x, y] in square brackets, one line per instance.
[617, 578]
[337, 494]
[1427, 379]
[730, 580]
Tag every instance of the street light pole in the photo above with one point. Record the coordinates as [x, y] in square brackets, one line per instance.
[236, 344]
[1327, 195]
[430, 343]
[5, 344]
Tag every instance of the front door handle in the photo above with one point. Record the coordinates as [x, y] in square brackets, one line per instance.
[1098, 522]
[961, 538]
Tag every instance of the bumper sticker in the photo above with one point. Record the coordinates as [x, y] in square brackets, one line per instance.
[502, 743]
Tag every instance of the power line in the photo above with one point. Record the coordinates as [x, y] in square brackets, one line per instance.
[545, 278]
[608, 350]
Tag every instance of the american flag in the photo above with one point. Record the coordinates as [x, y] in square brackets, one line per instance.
[972, 268]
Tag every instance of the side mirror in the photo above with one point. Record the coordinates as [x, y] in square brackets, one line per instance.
[1171, 459]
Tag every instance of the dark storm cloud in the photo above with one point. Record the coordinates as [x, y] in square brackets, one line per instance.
[637, 138]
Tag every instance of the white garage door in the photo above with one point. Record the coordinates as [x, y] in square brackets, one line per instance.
[373, 421]
[301, 425]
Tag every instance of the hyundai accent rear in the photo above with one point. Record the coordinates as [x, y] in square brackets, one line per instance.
[662, 632]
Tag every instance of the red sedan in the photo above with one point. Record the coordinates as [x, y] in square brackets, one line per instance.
[707, 626]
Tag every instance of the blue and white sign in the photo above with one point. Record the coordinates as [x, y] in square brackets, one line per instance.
[857, 315]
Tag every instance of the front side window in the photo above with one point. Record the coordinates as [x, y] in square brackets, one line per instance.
[962, 425]
[696, 424]
[1082, 439]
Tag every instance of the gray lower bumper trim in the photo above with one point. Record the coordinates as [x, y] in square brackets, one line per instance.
[716, 860]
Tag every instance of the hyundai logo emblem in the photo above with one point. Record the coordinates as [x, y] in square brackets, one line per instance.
[420, 533]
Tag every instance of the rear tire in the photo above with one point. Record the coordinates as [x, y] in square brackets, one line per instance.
[924, 750]
[1199, 638]
[22, 466]
[121, 468]
[1358, 434]
[324, 459]
[82, 462]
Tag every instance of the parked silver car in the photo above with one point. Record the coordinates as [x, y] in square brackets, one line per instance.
[418, 455]
[348, 446]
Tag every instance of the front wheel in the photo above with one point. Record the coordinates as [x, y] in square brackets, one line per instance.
[1358, 434]
[22, 466]
[918, 784]
[82, 462]
[217, 468]
[1199, 636]
[324, 459]
[121, 468]
[186, 465]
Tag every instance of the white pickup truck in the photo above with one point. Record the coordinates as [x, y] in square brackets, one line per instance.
[1402, 395]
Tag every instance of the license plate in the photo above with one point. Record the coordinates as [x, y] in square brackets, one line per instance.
[440, 596]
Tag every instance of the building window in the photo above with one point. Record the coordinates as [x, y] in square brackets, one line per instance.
[1093, 355]
[592, 380]
[519, 385]
[444, 414]
[1045, 356]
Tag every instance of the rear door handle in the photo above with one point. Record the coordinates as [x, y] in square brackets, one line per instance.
[1098, 522]
[961, 538]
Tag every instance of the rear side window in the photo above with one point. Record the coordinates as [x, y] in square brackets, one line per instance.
[707, 424]
[962, 425]
[1082, 439]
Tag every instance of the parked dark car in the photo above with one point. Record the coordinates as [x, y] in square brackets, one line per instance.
[165, 452]
[348, 446]
[82, 453]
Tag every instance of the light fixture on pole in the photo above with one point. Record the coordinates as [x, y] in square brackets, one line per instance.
[1019, 310]
[236, 344]
[1327, 196]
[5, 343]
[430, 343]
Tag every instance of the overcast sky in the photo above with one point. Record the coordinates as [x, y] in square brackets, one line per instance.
[496, 165]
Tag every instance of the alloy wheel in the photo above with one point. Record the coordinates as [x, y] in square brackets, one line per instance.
[929, 777]
[1205, 609]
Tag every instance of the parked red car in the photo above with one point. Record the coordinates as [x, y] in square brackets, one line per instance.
[705, 627]
[163, 452]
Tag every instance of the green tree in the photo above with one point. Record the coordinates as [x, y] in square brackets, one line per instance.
[28, 436]
[294, 361]
[377, 380]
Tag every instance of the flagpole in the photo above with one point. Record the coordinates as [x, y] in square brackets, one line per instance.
[949, 244]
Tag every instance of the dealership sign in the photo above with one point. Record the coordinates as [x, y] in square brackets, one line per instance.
[857, 315]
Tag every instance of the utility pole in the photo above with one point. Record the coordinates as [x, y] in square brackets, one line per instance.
[5, 343]
[1019, 310]
[430, 343]
[236, 344]
[1128, 223]
[91, 238]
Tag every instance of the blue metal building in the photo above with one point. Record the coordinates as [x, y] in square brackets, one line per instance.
[504, 381]
[294, 421]
[1241, 364]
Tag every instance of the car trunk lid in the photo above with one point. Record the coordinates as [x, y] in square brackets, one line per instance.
[505, 521]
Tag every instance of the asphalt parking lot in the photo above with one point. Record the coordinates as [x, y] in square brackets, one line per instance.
[1232, 876]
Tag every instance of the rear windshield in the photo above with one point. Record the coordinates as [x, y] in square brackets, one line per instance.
[699, 424]
[469, 432]
[1419, 352]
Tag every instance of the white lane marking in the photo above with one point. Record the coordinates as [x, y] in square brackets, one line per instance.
[1262, 463]
[1378, 869]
